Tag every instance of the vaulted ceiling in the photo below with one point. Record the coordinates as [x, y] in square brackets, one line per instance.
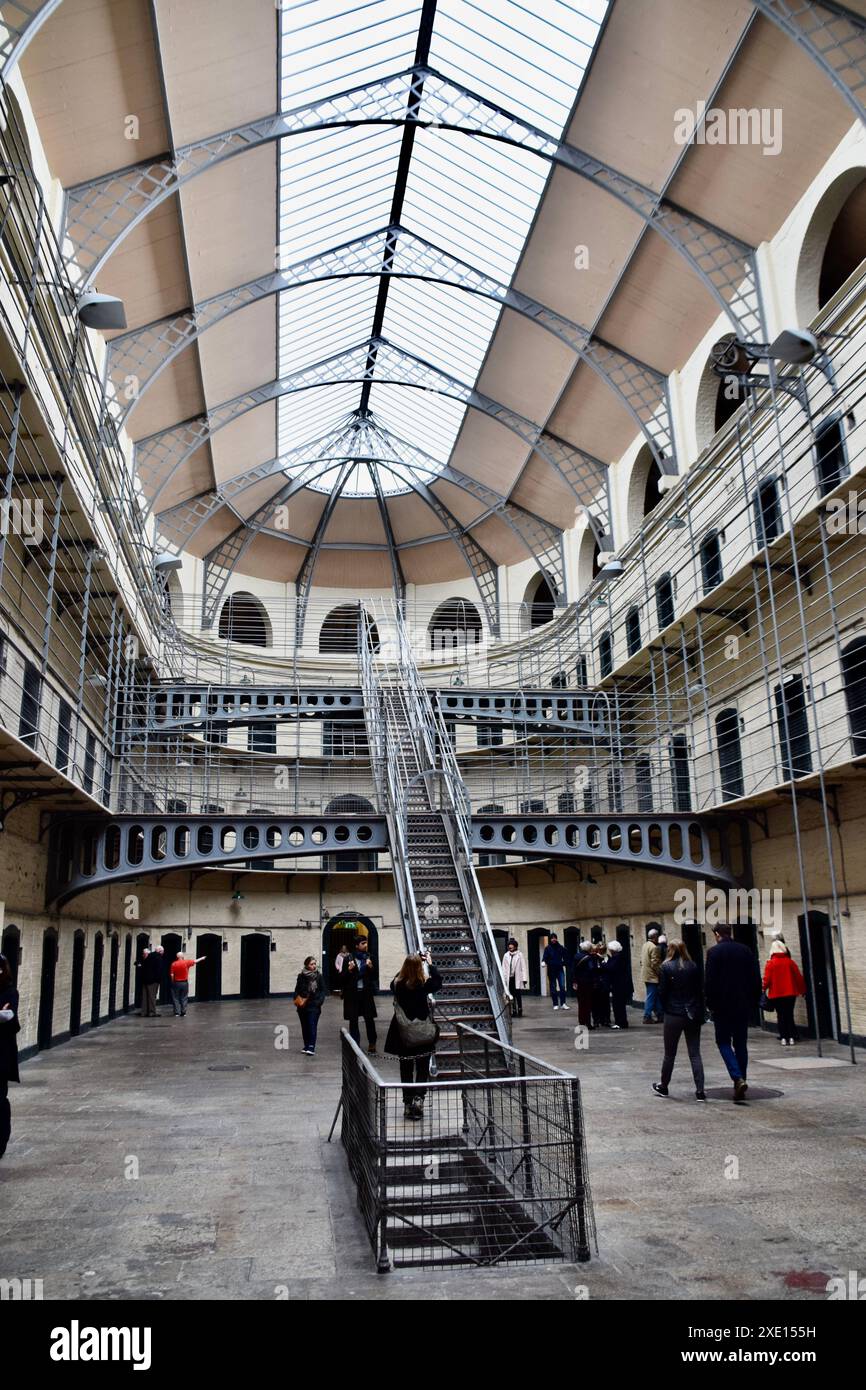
[402, 277]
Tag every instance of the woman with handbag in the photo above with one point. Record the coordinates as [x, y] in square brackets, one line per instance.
[783, 985]
[682, 999]
[412, 1035]
[309, 998]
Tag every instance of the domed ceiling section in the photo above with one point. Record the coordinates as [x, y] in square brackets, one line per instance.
[403, 276]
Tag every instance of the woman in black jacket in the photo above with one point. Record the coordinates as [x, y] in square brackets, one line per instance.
[9, 1027]
[682, 999]
[412, 992]
[310, 987]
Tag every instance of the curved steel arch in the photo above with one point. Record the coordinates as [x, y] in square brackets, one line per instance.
[159, 456]
[19, 36]
[101, 213]
[395, 252]
[831, 35]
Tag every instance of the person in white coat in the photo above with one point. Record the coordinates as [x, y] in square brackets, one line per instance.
[515, 976]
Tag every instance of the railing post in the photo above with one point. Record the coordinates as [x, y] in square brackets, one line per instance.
[579, 1174]
[528, 1183]
[383, 1260]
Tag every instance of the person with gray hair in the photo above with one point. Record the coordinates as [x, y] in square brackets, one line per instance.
[617, 968]
[585, 965]
[650, 965]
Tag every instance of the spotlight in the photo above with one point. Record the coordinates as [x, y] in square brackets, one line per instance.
[165, 561]
[103, 311]
[675, 523]
[610, 570]
[795, 346]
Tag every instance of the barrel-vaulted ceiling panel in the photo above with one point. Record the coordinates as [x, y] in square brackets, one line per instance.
[741, 188]
[504, 376]
[611, 83]
[247, 441]
[219, 65]
[656, 56]
[91, 67]
[230, 215]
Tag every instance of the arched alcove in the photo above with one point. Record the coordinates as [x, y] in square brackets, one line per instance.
[644, 489]
[834, 243]
[339, 632]
[587, 560]
[455, 623]
[539, 603]
[243, 619]
[718, 397]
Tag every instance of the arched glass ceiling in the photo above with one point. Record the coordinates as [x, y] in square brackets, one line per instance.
[474, 198]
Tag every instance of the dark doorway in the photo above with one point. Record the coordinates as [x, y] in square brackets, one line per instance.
[823, 1006]
[623, 936]
[45, 1027]
[127, 970]
[141, 942]
[113, 969]
[342, 931]
[172, 945]
[693, 940]
[747, 933]
[209, 974]
[255, 966]
[10, 947]
[536, 942]
[78, 949]
[96, 989]
[501, 939]
[854, 677]
[571, 942]
[793, 728]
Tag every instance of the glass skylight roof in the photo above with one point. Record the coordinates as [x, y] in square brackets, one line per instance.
[474, 198]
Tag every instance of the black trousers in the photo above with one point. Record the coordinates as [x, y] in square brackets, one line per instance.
[674, 1027]
[414, 1069]
[369, 1024]
[620, 1008]
[517, 1006]
[5, 1116]
[785, 1015]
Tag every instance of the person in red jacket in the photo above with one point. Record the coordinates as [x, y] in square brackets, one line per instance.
[179, 973]
[783, 984]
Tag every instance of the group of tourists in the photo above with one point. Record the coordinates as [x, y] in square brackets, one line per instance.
[600, 977]
[153, 975]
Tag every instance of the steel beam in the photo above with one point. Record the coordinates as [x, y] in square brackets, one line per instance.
[101, 213]
[832, 36]
[159, 456]
[394, 252]
[21, 23]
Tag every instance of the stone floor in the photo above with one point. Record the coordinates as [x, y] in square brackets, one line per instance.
[238, 1196]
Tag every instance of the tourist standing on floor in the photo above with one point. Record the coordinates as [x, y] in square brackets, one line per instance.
[514, 975]
[585, 966]
[359, 979]
[412, 1033]
[339, 961]
[733, 989]
[309, 999]
[151, 979]
[553, 959]
[9, 1028]
[783, 986]
[179, 975]
[650, 965]
[682, 1002]
[618, 972]
[600, 989]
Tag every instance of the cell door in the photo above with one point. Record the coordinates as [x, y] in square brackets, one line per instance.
[209, 973]
[45, 1027]
[255, 966]
[78, 948]
[822, 1003]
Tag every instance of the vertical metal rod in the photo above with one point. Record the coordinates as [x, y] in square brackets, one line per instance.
[85, 620]
[52, 571]
[16, 389]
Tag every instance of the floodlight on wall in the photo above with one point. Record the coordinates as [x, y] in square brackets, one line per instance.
[795, 346]
[102, 311]
[165, 562]
[675, 523]
[610, 570]
[668, 481]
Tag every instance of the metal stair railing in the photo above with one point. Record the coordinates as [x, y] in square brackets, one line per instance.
[455, 806]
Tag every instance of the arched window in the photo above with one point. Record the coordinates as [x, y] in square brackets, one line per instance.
[539, 602]
[644, 784]
[711, 561]
[243, 619]
[644, 489]
[605, 655]
[665, 600]
[768, 512]
[831, 463]
[792, 724]
[681, 787]
[456, 623]
[353, 861]
[632, 630]
[833, 243]
[730, 753]
[854, 677]
[720, 393]
[339, 634]
[845, 245]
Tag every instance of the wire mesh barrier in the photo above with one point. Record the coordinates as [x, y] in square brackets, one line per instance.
[489, 1170]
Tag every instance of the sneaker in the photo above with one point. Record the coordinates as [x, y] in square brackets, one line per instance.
[371, 1051]
[784, 1042]
[556, 1008]
[615, 1027]
[660, 1089]
[567, 1008]
[792, 1042]
[649, 1020]
[700, 1095]
[740, 1089]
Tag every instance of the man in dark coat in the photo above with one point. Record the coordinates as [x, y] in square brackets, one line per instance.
[151, 979]
[9, 1028]
[554, 959]
[359, 979]
[732, 983]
